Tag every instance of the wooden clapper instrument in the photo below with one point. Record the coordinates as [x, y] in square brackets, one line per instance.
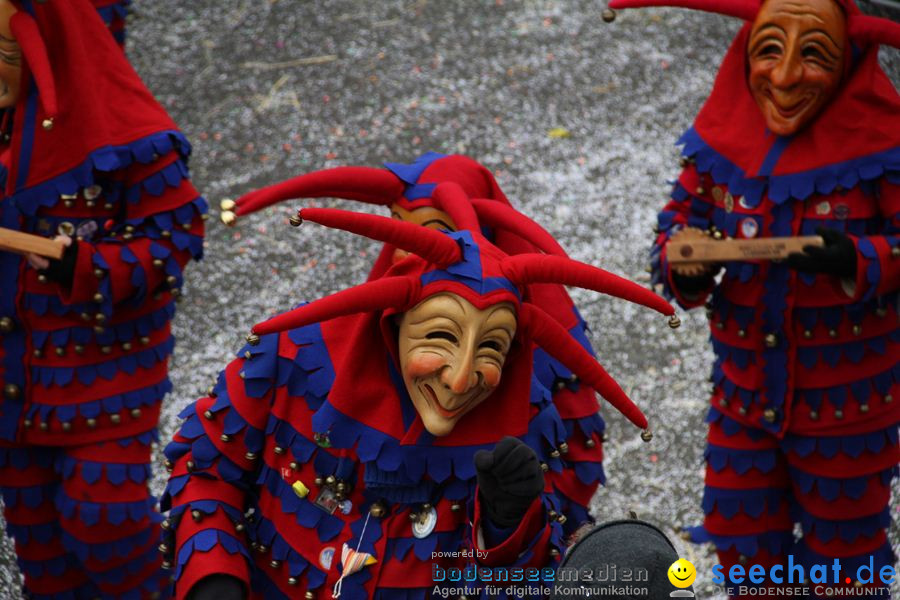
[23, 243]
[690, 249]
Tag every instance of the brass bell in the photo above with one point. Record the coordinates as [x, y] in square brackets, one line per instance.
[455, 507]
[545, 467]
[136, 413]
[190, 465]
[66, 426]
[225, 438]
[554, 454]
[47, 123]
[564, 448]
[166, 524]
[11, 391]
[278, 450]
[771, 340]
[252, 339]
[770, 415]
[228, 218]
[250, 456]
[590, 443]
[91, 422]
[646, 435]
[330, 480]
[888, 399]
[6, 325]
[98, 297]
[158, 263]
[275, 564]
[838, 414]
[293, 581]
[163, 548]
[309, 596]
[196, 515]
[296, 220]
[227, 204]
[863, 408]
[377, 509]
[608, 15]
[674, 322]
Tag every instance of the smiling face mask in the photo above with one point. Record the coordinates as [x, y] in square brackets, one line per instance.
[796, 57]
[451, 356]
[10, 58]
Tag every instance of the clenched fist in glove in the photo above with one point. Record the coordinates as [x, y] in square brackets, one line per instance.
[836, 257]
[509, 479]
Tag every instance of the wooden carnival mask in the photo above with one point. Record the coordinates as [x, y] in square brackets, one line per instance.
[796, 58]
[10, 58]
[451, 356]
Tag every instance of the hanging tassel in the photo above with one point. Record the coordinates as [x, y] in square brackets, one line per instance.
[353, 561]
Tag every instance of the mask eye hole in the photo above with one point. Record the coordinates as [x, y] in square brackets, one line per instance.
[491, 345]
[441, 335]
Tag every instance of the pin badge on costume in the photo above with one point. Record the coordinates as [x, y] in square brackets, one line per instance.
[327, 501]
[86, 229]
[425, 524]
[322, 440]
[326, 557]
[749, 227]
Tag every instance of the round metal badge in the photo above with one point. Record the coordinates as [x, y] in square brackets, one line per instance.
[749, 227]
[326, 557]
[425, 524]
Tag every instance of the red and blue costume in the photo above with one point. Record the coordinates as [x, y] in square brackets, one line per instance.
[317, 399]
[806, 382]
[84, 366]
[114, 13]
[410, 187]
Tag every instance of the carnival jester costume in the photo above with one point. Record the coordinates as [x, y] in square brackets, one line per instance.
[800, 135]
[87, 155]
[338, 455]
[407, 190]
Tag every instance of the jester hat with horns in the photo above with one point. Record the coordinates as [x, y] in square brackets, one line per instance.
[729, 138]
[412, 186]
[468, 265]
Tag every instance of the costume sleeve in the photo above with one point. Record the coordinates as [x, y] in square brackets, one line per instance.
[159, 228]
[878, 256]
[214, 461]
[536, 542]
[690, 206]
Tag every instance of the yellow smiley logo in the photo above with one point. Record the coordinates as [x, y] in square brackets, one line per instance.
[682, 573]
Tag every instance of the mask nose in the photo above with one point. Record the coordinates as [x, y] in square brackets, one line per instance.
[460, 378]
[788, 72]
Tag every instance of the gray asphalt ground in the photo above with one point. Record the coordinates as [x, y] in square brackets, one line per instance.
[267, 89]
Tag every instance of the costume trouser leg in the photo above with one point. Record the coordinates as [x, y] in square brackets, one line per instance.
[104, 515]
[841, 489]
[746, 500]
[838, 488]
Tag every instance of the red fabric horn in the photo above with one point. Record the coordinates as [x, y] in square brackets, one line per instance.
[551, 336]
[874, 30]
[381, 294]
[366, 184]
[451, 198]
[501, 216]
[434, 246]
[742, 9]
[26, 32]
[539, 268]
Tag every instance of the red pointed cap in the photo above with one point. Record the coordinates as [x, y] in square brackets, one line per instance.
[28, 36]
[742, 9]
[433, 246]
[366, 184]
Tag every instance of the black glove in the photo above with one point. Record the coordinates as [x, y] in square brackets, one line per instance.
[837, 257]
[218, 587]
[62, 271]
[691, 285]
[509, 479]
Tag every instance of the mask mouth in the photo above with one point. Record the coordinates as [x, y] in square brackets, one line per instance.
[791, 110]
[429, 392]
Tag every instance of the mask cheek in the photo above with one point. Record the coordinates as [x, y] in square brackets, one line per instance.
[422, 365]
[491, 375]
